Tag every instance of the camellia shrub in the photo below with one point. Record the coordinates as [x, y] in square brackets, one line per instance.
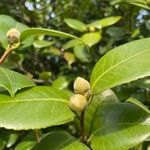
[91, 116]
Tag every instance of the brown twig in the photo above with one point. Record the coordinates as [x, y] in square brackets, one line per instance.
[6, 53]
[82, 135]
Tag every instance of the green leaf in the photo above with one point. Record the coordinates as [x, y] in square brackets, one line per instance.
[52, 51]
[29, 33]
[139, 3]
[35, 108]
[42, 43]
[91, 39]
[138, 103]
[76, 24]
[6, 23]
[12, 139]
[13, 81]
[81, 52]
[61, 82]
[41, 31]
[121, 126]
[142, 83]
[26, 145]
[122, 65]
[105, 22]
[107, 97]
[27, 142]
[71, 43]
[57, 140]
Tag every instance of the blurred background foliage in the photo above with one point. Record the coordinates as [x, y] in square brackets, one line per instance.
[101, 24]
[55, 61]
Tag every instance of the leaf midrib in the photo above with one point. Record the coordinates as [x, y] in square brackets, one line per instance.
[33, 100]
[115, 66]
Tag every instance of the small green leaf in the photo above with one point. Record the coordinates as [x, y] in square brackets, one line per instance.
[27, 142]
[57, 140]
[76, 24]
[69, 57]
[91, 39]
[116, 123]
[35, 108]
[12, 139]
[61, 82]
[138, 103]
[45, 75]
[123, 64]
[52, 51]
[105, 22]
[71, 43]
[81, 52]
[139, 3]
[26, 145]
[42, 43]
[13, 81]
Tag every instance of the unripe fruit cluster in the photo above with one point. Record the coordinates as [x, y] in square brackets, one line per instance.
[79, 100]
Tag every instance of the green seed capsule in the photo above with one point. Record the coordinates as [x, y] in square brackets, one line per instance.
[78, 103]
[13, 36]
[81, 86]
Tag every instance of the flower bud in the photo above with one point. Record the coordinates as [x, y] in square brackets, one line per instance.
[78, 103]
[81, 86]
[13, 36]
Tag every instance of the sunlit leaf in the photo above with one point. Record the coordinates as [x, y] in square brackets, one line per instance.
[13, 81]
[123, 64]
[76, 24]
[35, 108]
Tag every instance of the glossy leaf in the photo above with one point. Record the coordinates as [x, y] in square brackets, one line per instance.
[138, 103]
[13, 81]
[41, 31]
[57, 140]
[35, 108]
[118, 123]
[108, 21]
[106, 97]
[122, 65]
[76, 24]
